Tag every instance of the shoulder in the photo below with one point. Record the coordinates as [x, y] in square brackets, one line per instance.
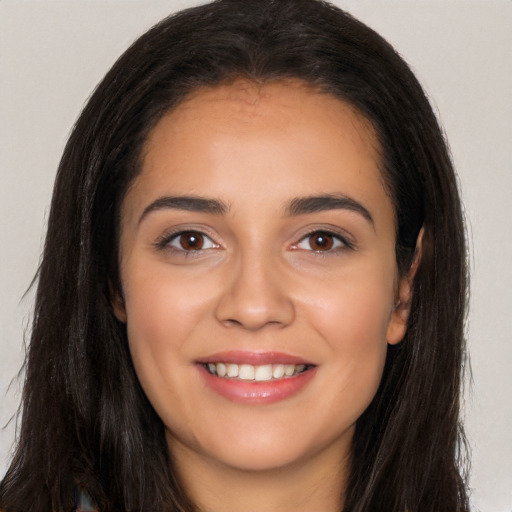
[84, 501]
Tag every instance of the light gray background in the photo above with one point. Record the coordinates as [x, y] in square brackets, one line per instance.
[52, 54]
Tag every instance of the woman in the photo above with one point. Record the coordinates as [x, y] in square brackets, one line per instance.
[200, 335]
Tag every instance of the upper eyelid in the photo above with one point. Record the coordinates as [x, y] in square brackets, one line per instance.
[341, 234]
[164, 239]
[346, 238]
[187, 228]
[344, 243]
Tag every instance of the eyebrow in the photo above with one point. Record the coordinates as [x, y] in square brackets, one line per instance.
[297, 206]
[188, 203]
[314, 204]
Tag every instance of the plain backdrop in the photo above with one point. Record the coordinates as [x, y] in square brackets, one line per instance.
[53, 53]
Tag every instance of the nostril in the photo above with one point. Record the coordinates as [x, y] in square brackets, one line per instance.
[251, 326]
[230, 322]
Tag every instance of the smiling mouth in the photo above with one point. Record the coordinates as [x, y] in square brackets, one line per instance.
[257, 373]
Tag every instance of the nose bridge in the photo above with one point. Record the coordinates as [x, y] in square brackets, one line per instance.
[255, 294]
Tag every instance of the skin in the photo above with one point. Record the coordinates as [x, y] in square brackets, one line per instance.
[261, 284]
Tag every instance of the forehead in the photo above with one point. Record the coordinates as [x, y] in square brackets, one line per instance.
[241, 107]
[233, 138]
[244, 102]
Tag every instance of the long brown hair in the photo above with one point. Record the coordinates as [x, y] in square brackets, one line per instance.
[86, 420]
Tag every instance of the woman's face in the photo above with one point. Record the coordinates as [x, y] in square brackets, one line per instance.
[259, 276]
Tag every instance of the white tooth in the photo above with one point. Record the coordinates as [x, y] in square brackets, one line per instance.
[212, 368]
[300, 368]
[263, 372]
[278, 371]
[289, 369]
[232, 370]
[221, 369]
[246, 372]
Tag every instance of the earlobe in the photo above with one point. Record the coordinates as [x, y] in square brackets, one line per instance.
[117, 302]
[398, 322]
[119, 308]
[397, 326]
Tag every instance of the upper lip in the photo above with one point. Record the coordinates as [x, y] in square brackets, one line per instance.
[254, 358]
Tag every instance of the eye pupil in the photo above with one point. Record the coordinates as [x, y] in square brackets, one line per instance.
[191, 241]
[321, 241]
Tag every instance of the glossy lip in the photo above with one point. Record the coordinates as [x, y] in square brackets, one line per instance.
[255, 358]
[255, 392]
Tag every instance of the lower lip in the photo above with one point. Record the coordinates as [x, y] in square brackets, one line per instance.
[257, 392]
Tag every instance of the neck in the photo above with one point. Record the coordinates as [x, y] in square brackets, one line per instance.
[317, 485]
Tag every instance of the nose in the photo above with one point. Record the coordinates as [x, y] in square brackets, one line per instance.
[255, 296]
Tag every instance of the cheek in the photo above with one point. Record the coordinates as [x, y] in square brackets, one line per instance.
[161, 308]
[352, 318]
[161, 315]
[353, 309]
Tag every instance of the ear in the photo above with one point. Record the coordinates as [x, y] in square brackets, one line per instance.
[397, 326]
[117, 302]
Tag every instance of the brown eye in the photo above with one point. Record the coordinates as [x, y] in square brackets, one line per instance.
[194, 242]
[321, 241]
[191, 241]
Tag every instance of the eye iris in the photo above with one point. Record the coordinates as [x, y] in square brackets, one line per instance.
[321, 241]
[191, 241]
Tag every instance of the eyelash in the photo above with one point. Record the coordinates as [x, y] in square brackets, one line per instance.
[343, 242]
[165, 242]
